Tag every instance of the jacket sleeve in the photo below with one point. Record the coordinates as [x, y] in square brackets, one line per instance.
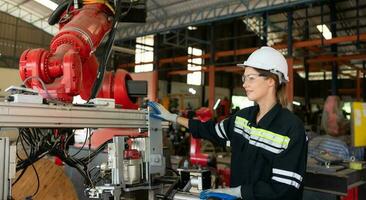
[288, 170]
[218, 133]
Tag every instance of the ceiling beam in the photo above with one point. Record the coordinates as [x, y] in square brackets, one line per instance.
[342, 58]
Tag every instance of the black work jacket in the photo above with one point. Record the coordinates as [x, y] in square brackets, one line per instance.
[268, 159]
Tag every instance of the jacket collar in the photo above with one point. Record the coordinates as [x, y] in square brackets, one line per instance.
[267, 118]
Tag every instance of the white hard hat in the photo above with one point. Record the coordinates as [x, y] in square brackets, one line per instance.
[268, 58]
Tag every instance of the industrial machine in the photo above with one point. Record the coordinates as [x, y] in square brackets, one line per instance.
[46, 119]
[132, 163]
[130, 167]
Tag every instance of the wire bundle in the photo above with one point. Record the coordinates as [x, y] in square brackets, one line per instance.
[37, 143]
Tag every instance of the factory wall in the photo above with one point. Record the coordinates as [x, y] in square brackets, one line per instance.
[8, 77]
[180, 90]
[16, 36]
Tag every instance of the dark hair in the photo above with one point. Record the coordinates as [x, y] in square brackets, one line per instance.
[281, 94]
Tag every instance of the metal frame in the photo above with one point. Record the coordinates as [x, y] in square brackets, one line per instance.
[153, 161]
[57, 116]
[118, 146]
[4, 168]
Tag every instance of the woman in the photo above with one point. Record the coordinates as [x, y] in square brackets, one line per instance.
[268, 142]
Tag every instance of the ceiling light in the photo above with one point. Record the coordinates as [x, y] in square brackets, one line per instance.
[296, 103]
[192, 91]
[192, 28]
[325, 31]
[48, 3]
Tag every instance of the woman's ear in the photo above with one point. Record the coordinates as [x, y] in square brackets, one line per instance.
[271, 82]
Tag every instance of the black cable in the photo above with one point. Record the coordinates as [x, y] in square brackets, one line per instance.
[86, 139]
[173, 170]
[42, 142]
[20, 176]
[56, 14]
[75, 164]
[36, 150]
[16, 144]
[38, 182]
[107, 50]
[97, 151]
[67, 140]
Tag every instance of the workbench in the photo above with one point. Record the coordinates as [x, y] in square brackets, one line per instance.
[336, 183]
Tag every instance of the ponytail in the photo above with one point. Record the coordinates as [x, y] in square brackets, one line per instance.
[281, 94]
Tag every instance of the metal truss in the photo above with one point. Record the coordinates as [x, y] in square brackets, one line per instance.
[218, 10]
[181, 39]
[27, 15]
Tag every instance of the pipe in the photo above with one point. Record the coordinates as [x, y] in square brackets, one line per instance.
[245, 51]
[321, 59]
[123, 50]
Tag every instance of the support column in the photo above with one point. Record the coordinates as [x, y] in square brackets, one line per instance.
[211, 70]
[234, 45]
[358, 86]
[204, 75]
[306, 65]
[155, 79]
[364, 81]
[16, 41]
[265, 29]
[290, 85]
[333, 47]
[358, 23]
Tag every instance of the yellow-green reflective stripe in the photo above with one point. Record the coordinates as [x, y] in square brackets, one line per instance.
[241, 121]
[269, 140]
[243, 125]
[285, 139]
[277, 138]
[281, 140]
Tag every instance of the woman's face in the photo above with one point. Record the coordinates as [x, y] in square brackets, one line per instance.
[256, 86]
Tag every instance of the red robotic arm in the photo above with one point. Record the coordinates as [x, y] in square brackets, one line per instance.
[70, 67]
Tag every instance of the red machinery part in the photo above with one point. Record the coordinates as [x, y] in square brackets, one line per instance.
[131, 154]
[120, 92]
[114, 86]
[223, 111]
[204, 114]
[225, 176]
[196, 157]
[70, 67]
